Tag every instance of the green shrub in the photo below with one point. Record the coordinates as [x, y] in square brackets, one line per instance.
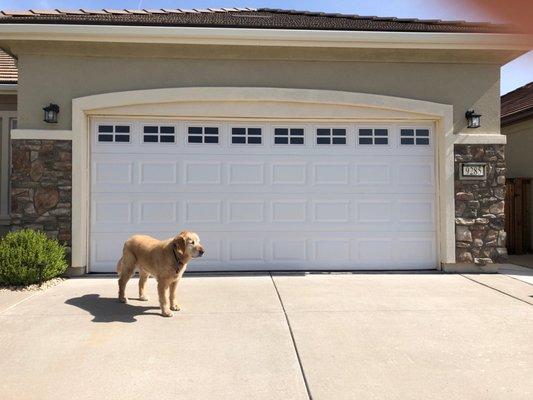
[28, 257]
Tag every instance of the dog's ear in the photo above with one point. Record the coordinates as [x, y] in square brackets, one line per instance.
[179, 244]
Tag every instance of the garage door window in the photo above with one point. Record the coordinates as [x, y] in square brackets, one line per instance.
[414, 137]
[288, 136]
[246, 135]
[330, 136]
[114, 133]
[202, 134]
[159, 134]
[373, 136]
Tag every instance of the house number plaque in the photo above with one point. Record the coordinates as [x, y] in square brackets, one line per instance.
[473, 171]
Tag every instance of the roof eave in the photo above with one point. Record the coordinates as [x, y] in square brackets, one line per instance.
[516, 117]
[266, 37]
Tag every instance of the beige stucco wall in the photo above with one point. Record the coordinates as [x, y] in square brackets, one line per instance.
[519, 155]
[60, 77]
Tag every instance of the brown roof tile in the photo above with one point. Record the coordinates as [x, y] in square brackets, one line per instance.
[262, 18]
[8, 69]
[517, 105]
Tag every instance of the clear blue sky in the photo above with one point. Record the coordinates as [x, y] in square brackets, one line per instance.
[514, 74]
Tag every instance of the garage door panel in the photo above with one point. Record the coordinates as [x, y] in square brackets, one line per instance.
[245, 211]
[151, 212]
[268, 206]
[157, 172]
[246, 173]
[201, 211]
[357, 176]
[202, 173]
[331, 173]
[116, 211]
[293, 213]
[244, 250]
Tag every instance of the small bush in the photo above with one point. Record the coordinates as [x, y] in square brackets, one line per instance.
[28, 257]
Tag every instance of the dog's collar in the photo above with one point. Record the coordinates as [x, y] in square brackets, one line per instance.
[179, 263]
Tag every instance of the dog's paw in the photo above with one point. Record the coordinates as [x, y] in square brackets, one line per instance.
[123, 300]
[144, 298]
[175, 307]
[167, 314]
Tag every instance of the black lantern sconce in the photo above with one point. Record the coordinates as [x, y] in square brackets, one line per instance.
[50, 113]
[474, 120]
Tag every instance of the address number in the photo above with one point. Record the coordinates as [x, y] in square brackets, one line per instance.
[473, 171]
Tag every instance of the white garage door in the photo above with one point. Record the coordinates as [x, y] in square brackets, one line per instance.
[267, 196]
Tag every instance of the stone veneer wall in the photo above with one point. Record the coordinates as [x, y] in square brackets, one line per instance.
[479, 207]
[41, 187]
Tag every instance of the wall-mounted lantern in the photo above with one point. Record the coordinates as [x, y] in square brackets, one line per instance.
[50, 113]
[474, 120]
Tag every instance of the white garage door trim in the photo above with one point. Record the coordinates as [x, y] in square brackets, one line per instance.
[356, 222]
[252, 98]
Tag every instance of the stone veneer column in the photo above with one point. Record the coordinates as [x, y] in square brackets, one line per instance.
[41, 187]
[479, 207]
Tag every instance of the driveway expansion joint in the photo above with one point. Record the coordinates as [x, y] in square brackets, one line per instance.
[497, 290]
[306, 383]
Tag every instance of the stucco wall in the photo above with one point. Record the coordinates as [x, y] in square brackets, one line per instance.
[519, 152]
[60, 78]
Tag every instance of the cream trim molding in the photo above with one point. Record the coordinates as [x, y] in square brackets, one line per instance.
[250, 102]
[481, 138]
[265, 37]
[41, 134]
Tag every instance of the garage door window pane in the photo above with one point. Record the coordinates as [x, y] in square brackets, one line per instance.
[122, 138]
[211, 139]
[150, 129]
[113, 133]
[167, 129]
[105, 138]
[122, 129]
[195, 139]
[330, 136]
[246, 135]
[407, 141]
[410, 137]
[238, 140]
[105, 128]
[159, 134]
[370, 136]
[167, 139]
[150, 138]
[199, 134]
[289, 136]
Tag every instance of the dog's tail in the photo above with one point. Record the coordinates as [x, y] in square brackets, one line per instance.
[119, 266]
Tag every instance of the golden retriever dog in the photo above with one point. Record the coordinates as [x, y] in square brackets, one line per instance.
[166, 260]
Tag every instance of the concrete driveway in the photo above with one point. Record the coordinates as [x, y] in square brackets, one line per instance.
[320, 336]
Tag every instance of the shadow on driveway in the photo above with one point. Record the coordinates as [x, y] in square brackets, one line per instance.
[107, 309]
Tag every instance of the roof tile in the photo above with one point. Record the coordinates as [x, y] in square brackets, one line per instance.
[518, 104]
[262, 18]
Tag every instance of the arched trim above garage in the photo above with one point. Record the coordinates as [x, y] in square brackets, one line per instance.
[257, 103]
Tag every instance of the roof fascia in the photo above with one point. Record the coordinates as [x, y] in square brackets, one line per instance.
[265, 37]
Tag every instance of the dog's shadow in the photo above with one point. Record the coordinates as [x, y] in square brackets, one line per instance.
[107, 309]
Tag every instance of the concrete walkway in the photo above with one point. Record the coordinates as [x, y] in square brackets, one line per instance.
[320, 336]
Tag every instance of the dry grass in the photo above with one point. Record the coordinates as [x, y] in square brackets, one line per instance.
[33, 288]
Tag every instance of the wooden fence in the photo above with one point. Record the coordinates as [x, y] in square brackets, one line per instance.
[517, 215]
